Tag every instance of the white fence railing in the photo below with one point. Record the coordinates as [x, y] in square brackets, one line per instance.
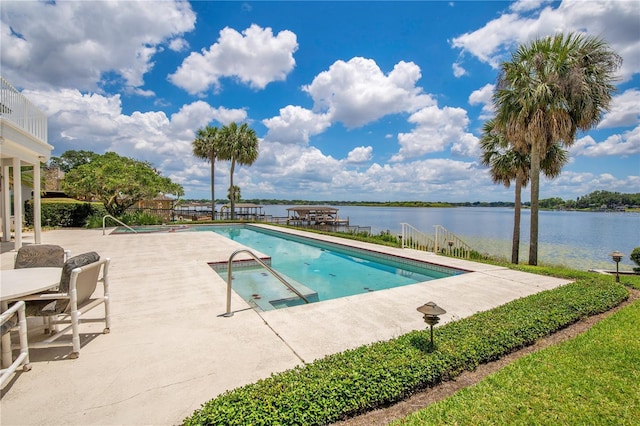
[449, 243]
[15, 107]
[416, 239]
[445, 242]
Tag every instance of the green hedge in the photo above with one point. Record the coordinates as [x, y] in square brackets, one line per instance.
[371, 376]
[65, 213]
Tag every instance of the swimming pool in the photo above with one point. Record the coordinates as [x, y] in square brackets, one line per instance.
[319, 270]
[148, 229]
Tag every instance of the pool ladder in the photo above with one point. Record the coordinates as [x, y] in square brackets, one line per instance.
[104, 222]
[265, 266]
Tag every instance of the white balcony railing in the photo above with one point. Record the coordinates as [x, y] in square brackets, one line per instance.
[15, 107]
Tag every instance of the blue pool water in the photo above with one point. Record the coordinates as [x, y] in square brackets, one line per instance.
[319, 270]
[149, 229]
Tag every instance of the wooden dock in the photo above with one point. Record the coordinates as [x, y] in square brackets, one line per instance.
[314, 215]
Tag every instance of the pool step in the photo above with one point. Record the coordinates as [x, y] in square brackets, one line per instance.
[238, 264]
[263, 290]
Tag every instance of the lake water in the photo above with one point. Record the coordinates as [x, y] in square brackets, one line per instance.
[581, 240]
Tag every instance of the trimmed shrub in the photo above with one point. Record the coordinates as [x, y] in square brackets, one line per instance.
[635, 258]
[139, 217]
[345, 384]
[64, 213]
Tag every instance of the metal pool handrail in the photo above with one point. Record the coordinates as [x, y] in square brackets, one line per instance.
[265, 266]
[120, 222]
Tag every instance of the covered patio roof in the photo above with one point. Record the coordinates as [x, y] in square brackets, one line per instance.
[302, 210]
[23, 142]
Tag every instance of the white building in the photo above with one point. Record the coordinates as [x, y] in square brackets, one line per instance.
[23, 142]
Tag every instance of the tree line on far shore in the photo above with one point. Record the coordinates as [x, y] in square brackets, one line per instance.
[597, 200]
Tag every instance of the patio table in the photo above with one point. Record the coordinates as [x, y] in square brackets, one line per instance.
[16, 283]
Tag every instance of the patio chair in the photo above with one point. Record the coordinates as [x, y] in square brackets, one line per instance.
[9, 319]
[41, 255]
[80, 277]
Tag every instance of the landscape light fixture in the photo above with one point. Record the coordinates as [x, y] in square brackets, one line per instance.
[431, 312]
[617, 257]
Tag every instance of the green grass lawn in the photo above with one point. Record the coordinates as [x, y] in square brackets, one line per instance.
[593, 379]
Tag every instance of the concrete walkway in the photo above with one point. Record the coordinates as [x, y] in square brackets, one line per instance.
[169, 349]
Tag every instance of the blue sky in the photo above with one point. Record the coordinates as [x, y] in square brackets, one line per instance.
[350, 100]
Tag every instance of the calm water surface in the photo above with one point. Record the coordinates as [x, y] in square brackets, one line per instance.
[581, 240]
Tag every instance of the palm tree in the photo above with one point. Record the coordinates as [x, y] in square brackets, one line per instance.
[236, 193]
[550, 89]
[205, 146]
[238, 144]
[509, 163]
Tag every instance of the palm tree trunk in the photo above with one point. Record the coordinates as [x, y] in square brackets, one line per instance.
[231, 194]
[515, 245]
[213, 195]
[535, 195]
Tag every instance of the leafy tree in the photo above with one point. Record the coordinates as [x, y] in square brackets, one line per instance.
[118, 182]
[205, 146]
[550, 203]
[238, 144]
[508, 162]
[550, 89]
[609, 199]
[71, 159]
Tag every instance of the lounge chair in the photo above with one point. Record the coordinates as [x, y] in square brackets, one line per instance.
[80, 277]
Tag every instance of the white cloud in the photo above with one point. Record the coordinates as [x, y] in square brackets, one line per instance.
[357, 92]
[360, 154]
[527, 5]
[295, 125]
[458, 70]
[97, 123]
[432, 179]
[625, 110]
[468, 145]
[435, 130]
[576, 184]
[484, 97]
[74, 44]
[627, 143]
[615, 21]
[298, 171]
[199, 114]
[354, 93]
[256, 58]
[94, 122]
[143, 93]
[293, 170]
[178, 44]
[490, 43]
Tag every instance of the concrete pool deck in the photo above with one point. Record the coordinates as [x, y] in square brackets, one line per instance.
[169, 349]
